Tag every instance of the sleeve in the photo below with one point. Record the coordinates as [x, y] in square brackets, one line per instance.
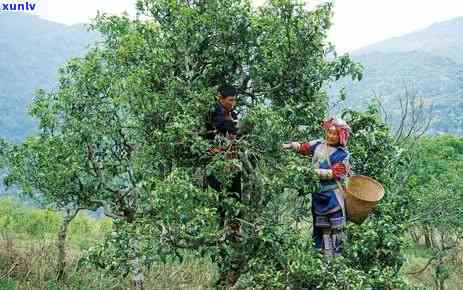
[223, 124]
[218, 120]
[308, 148]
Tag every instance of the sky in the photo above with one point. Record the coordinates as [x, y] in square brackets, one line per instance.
[357, 23]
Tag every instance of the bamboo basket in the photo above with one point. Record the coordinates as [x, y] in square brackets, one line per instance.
[361, 197]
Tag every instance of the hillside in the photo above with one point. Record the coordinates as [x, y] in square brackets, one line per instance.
[32, 51]
[444, 39]
[428, 63]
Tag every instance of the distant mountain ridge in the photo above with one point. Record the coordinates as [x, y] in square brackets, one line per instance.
[443, 38]
[32, 51]
[428, 63]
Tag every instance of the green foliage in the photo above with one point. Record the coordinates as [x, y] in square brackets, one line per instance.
[20, 219]
[373, 255]
[8, 285]
[378, 243]
[438, 180]
[122, 132]
[42, 224]
[28, 252]
[436, 186]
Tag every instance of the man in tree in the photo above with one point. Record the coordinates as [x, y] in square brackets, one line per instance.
[330, 162]
[222, 122]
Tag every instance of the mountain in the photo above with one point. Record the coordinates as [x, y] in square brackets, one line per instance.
[443, 38]
[32, 51]
[426, 63]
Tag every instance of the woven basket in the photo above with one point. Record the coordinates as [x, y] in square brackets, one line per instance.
[362, 195]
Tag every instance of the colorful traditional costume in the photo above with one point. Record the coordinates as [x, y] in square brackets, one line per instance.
[331, 164]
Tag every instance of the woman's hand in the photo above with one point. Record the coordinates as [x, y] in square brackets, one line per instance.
[291, 145]
[287, 146]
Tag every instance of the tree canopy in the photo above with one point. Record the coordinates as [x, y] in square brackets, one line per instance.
[122, 132]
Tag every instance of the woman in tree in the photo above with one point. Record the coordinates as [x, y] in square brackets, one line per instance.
[330, 162]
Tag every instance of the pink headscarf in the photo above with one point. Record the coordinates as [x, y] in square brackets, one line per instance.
[341, 127]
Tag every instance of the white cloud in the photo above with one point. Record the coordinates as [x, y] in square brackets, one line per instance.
[356, 22]
[78, 11]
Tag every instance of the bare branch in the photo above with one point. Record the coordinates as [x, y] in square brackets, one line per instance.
[412, 110]
[436, 256]
[381, 106]
[108, 209]
[10, 270]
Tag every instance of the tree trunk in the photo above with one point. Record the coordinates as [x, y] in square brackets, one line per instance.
[69, 215]
[434, 242]
[440, 277]
[138, 280]
[427, 237]
[442, 240]
[415, 236]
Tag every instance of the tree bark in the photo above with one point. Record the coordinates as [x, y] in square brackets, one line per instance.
[434, 242]
[69, 215]
[138, 280]
[442, 240]
[415, 236]
[440, 279]
[427, 237]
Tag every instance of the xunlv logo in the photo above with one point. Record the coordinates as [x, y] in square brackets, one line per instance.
[17, 6]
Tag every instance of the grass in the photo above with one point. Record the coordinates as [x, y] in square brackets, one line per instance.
[28, 257]
[31, 267]
[417, 259]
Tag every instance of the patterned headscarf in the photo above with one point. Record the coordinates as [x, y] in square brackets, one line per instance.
[341, 127]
